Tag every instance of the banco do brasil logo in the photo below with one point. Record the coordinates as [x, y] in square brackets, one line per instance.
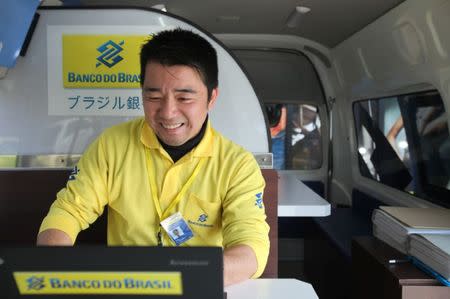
[109, 53]
[35, 283]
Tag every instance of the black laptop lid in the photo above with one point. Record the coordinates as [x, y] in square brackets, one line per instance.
[118, 272]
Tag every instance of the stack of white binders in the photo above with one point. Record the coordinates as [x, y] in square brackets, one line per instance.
[422, 233]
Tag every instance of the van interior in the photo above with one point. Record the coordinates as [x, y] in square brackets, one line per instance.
[350, 97]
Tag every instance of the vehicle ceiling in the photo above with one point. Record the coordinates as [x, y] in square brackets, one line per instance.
[329, 22]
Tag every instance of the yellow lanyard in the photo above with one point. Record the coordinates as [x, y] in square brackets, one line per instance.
[152, 180]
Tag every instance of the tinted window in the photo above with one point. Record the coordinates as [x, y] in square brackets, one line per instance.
[403, 142]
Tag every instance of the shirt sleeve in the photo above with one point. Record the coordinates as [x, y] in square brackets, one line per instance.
[83, 199]
[244, 217]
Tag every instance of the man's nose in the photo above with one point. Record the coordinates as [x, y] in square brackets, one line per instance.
[169, 107]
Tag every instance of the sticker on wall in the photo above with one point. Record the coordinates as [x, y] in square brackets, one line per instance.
[101, 61]
[95, 70]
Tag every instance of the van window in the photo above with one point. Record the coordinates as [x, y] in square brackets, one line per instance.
[288, 86]
[296, 136]
[403, 141]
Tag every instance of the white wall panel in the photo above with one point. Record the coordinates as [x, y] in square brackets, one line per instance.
[405, 50]
[26, 128]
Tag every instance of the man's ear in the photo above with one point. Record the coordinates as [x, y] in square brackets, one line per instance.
[213, 98]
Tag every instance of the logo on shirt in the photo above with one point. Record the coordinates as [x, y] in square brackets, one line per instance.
[201, 221]
[35, 283]
[73, 174]
[202, 218]
[259, 200]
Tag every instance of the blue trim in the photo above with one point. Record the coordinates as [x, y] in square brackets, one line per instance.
[425, 268]
[17, 16]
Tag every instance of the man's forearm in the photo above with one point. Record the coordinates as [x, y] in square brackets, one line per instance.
[239, 264]
[53, 237]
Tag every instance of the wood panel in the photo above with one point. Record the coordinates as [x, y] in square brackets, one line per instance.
[25, 198]
[271, 205]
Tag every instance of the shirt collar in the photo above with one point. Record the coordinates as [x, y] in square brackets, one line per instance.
[203, 149]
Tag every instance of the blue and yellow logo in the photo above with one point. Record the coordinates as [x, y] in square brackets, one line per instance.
[101, 61]
[110, 53]
[35, 283]
[73, 173]
[259, 200]
[202, 218]
[96, 283]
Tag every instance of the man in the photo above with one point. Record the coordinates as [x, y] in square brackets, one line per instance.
[170, 169]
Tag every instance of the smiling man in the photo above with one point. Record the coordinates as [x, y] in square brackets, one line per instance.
[176, 102]
[170, 179]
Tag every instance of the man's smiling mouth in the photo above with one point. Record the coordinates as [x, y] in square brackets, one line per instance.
[171, 126]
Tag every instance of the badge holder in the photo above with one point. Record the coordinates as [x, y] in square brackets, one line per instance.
[177, 228]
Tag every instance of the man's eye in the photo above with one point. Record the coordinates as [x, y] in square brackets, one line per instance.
[153, 99]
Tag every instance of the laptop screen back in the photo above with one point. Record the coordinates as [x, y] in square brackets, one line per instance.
[125, 272]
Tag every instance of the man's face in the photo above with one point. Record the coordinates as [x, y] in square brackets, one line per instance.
[175, 101]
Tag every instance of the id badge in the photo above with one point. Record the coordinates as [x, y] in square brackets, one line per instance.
[177, 228]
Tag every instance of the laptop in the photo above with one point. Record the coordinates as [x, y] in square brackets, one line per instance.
[118, 272]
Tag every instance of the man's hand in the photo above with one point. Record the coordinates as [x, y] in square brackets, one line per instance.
[239, 264]
[53, 237]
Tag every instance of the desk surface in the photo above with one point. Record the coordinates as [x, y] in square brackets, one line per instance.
[271, 289]
[295, 199]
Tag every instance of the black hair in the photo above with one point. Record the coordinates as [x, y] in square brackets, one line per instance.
[182, 47]
[274, 113]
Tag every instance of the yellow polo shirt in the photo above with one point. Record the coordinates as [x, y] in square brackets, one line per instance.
[223, 206]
